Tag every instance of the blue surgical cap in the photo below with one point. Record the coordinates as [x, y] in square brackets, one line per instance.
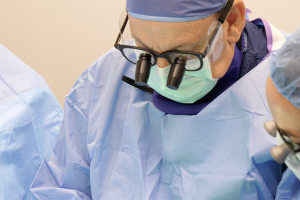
[173, 10]
[285, 69]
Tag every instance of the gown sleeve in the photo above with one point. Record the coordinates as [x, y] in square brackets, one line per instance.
[66, 174]
[289, 187]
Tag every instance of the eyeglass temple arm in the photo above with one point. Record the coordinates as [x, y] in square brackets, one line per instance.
[212, 38]
[122, 29]
[221, 20]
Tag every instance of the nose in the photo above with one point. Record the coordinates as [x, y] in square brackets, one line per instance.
[162, 62]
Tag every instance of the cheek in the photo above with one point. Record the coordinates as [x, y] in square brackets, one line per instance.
[295, 125]
[285, 119]
[277, 105]
[218, 69]
[296, 139]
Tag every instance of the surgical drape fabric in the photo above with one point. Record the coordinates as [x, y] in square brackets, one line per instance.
[30, 118]
[115, 144]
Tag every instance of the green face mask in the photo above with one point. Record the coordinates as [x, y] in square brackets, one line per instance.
[193, 87]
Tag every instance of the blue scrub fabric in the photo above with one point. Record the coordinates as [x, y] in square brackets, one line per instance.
[30, 117]
[115, 144]
[173, 10]
[289, 188]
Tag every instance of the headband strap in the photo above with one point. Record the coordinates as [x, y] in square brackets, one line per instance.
[225, 11]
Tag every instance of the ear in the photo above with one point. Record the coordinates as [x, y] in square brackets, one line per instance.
[236, 21]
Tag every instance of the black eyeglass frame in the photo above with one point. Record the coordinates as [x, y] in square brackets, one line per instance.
[291, 144]
[165, 55]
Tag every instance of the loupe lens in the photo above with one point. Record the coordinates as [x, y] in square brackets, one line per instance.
[134, 55]
[143, 67]
[279, 153]
[176, 73]
[192, 61]
[271, 128]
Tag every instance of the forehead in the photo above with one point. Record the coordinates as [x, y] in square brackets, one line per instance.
[170, 25]
[168, 33]
[285, 114]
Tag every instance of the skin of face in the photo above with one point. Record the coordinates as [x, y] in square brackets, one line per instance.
[285, 114]
[191, 36]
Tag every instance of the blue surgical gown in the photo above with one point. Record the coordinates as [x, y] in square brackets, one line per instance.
[115, 144]
[30, 117]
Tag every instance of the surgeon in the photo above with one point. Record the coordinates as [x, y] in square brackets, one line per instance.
[174, 111]
[30, 117]
[283, 94]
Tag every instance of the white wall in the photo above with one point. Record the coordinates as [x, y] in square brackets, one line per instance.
[61, 38]
[284, 14]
